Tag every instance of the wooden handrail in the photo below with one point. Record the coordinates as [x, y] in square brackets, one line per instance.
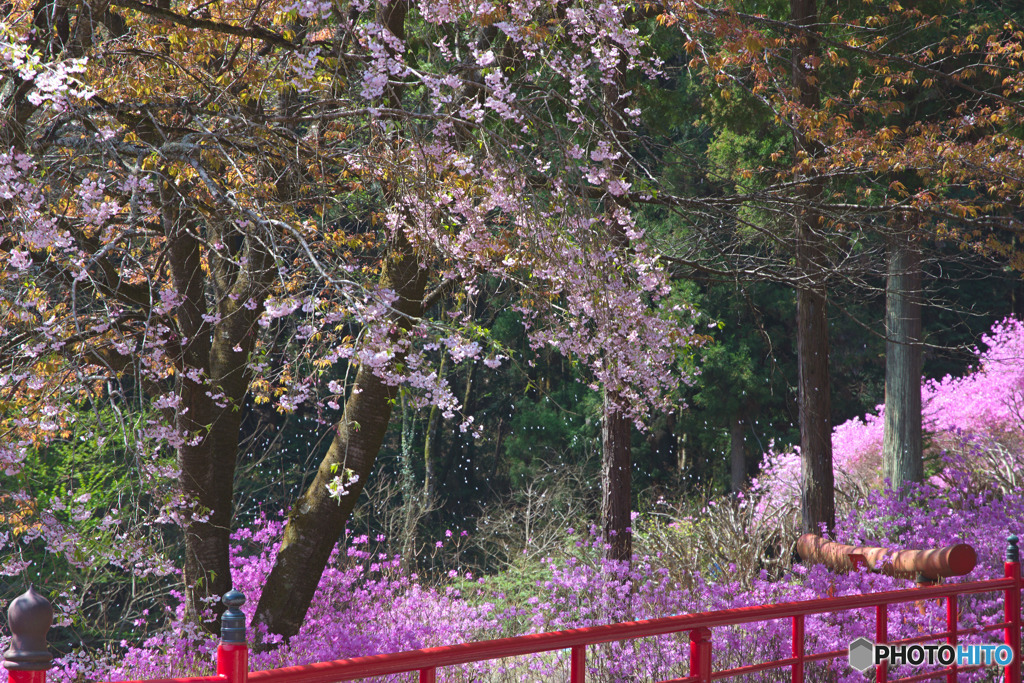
[33, 613]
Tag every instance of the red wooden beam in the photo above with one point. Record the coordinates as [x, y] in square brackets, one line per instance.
[463, 653]
[31, 617]
[953, 560]
[1011, 607]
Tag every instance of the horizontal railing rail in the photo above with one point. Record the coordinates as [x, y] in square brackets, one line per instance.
[26, 664]
[466, 653]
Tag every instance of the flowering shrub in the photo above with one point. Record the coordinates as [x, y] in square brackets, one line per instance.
[693, 538]
[368, 604]
[365, 604]
[975, 422]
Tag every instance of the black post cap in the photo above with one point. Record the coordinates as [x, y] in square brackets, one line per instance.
[1012, 551]
[30, 617]
[232, 622]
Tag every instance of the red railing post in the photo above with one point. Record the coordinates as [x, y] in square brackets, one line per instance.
[578, 664]
[1011, 602]
[700, 654]
[882, 636]
[428, 675]
[797, 673]
[27, 659]
[952, 624]
[233, 652]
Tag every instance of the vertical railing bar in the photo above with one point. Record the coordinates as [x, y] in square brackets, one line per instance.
[1011, 604]
[882, 636]
[428, 675]
[797, 672]
[233, 651]
[700, 654]
[578, 664]
[952, 624]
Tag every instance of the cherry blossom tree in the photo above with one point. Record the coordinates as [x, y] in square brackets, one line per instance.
[214, 205]
[211, 206]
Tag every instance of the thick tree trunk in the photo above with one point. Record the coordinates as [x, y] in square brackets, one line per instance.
[737, 455]
[616, 452]
[202, 474]
[817, 487]
[902, 455]
[211, 381]
[207, 573]
[616, 459]
[316, 520]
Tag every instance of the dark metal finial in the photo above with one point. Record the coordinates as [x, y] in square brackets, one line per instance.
[29, 616]
[232, 622]
[1012, 551]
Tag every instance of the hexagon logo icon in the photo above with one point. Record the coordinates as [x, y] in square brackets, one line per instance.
[862, 654]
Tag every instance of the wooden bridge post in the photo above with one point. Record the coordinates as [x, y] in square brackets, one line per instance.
[797, 672]
[882, 636]
[578, 664]
[700, 654]
[1011, 604]
[28, 658]
[233, 651]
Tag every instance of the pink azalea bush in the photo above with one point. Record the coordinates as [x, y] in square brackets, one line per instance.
[986, 402]
[367, 604]
[975, 419]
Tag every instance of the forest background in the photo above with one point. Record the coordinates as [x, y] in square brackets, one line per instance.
[482, 268]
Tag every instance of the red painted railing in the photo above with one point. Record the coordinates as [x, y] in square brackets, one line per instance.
[27, 659]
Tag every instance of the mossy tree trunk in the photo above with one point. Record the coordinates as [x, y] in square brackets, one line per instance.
[902, 456]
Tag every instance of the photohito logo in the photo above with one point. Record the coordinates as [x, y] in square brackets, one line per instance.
[864, 654]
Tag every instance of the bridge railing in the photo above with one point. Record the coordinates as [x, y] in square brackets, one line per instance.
[30, 615]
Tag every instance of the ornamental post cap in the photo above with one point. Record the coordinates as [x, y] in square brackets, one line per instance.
[30, 617]
[1012, 551]
[232, 622]
[233, 598]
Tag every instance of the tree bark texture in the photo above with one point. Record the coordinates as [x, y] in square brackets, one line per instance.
[211, 381]
[616, 482]
[817, 484]
[316, 520]
[902, 457]
[616, 444]
[204, 478]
